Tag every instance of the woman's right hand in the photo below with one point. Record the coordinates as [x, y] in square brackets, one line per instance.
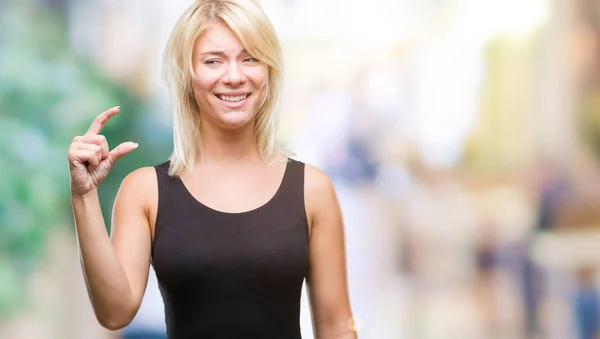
[90, 160]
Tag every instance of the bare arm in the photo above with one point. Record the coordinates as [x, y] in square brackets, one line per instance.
[115, 270]
[326, 280]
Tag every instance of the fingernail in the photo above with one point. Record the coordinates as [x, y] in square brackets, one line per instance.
[135, 145]
[117, 107]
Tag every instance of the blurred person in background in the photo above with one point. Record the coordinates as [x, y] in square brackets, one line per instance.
[586, 305]
[487, 267]
[554, 189]
[230, 223]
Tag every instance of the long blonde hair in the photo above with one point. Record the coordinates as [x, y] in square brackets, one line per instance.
[254, 30]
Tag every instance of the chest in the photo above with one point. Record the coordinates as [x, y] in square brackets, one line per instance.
[213, 250]
[234, 191]
[237, 227]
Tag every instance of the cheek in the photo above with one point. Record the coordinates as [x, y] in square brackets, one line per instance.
[203, 88]
[262, 89]
[206, 79]
[259, 77]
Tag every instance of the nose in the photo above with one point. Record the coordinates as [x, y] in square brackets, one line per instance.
[233, 75]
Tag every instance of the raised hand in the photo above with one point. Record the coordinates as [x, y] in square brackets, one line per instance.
[90, 160]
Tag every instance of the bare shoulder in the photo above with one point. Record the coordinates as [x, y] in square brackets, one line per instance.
[141, 175]
[140, 180]
[140, 187]
[317, 182]
[319, 193]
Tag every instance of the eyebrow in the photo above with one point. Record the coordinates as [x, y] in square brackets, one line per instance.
[220, 53]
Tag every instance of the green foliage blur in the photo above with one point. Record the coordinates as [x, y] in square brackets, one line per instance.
[48, 95]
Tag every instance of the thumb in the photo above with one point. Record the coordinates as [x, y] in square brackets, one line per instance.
[119, 151]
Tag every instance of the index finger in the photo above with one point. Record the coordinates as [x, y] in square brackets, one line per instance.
[100, 120]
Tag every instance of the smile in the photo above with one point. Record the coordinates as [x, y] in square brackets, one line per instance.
[233, 99]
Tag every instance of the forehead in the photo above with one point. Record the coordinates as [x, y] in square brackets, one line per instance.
[218, 38]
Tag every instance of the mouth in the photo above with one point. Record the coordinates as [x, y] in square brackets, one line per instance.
[233, 98]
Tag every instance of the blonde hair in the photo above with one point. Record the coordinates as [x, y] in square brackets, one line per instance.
[254, 30]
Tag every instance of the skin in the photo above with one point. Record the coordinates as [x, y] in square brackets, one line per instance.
[231, 178]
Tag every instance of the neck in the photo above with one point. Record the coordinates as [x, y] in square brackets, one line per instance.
[228, 146]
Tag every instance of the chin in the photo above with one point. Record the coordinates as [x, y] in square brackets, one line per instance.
[235, 120]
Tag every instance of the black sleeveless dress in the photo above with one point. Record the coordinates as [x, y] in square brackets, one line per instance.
[231, 275]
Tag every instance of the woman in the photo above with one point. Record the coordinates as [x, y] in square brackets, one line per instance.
[231, 224]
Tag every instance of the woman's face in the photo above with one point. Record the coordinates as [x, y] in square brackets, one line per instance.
[230, 84]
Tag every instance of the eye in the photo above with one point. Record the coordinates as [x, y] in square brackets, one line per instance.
[251, 59]
[211, 61]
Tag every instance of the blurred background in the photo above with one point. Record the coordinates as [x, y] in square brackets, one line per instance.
[462, 136]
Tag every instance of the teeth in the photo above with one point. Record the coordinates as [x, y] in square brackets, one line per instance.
[233, 99]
